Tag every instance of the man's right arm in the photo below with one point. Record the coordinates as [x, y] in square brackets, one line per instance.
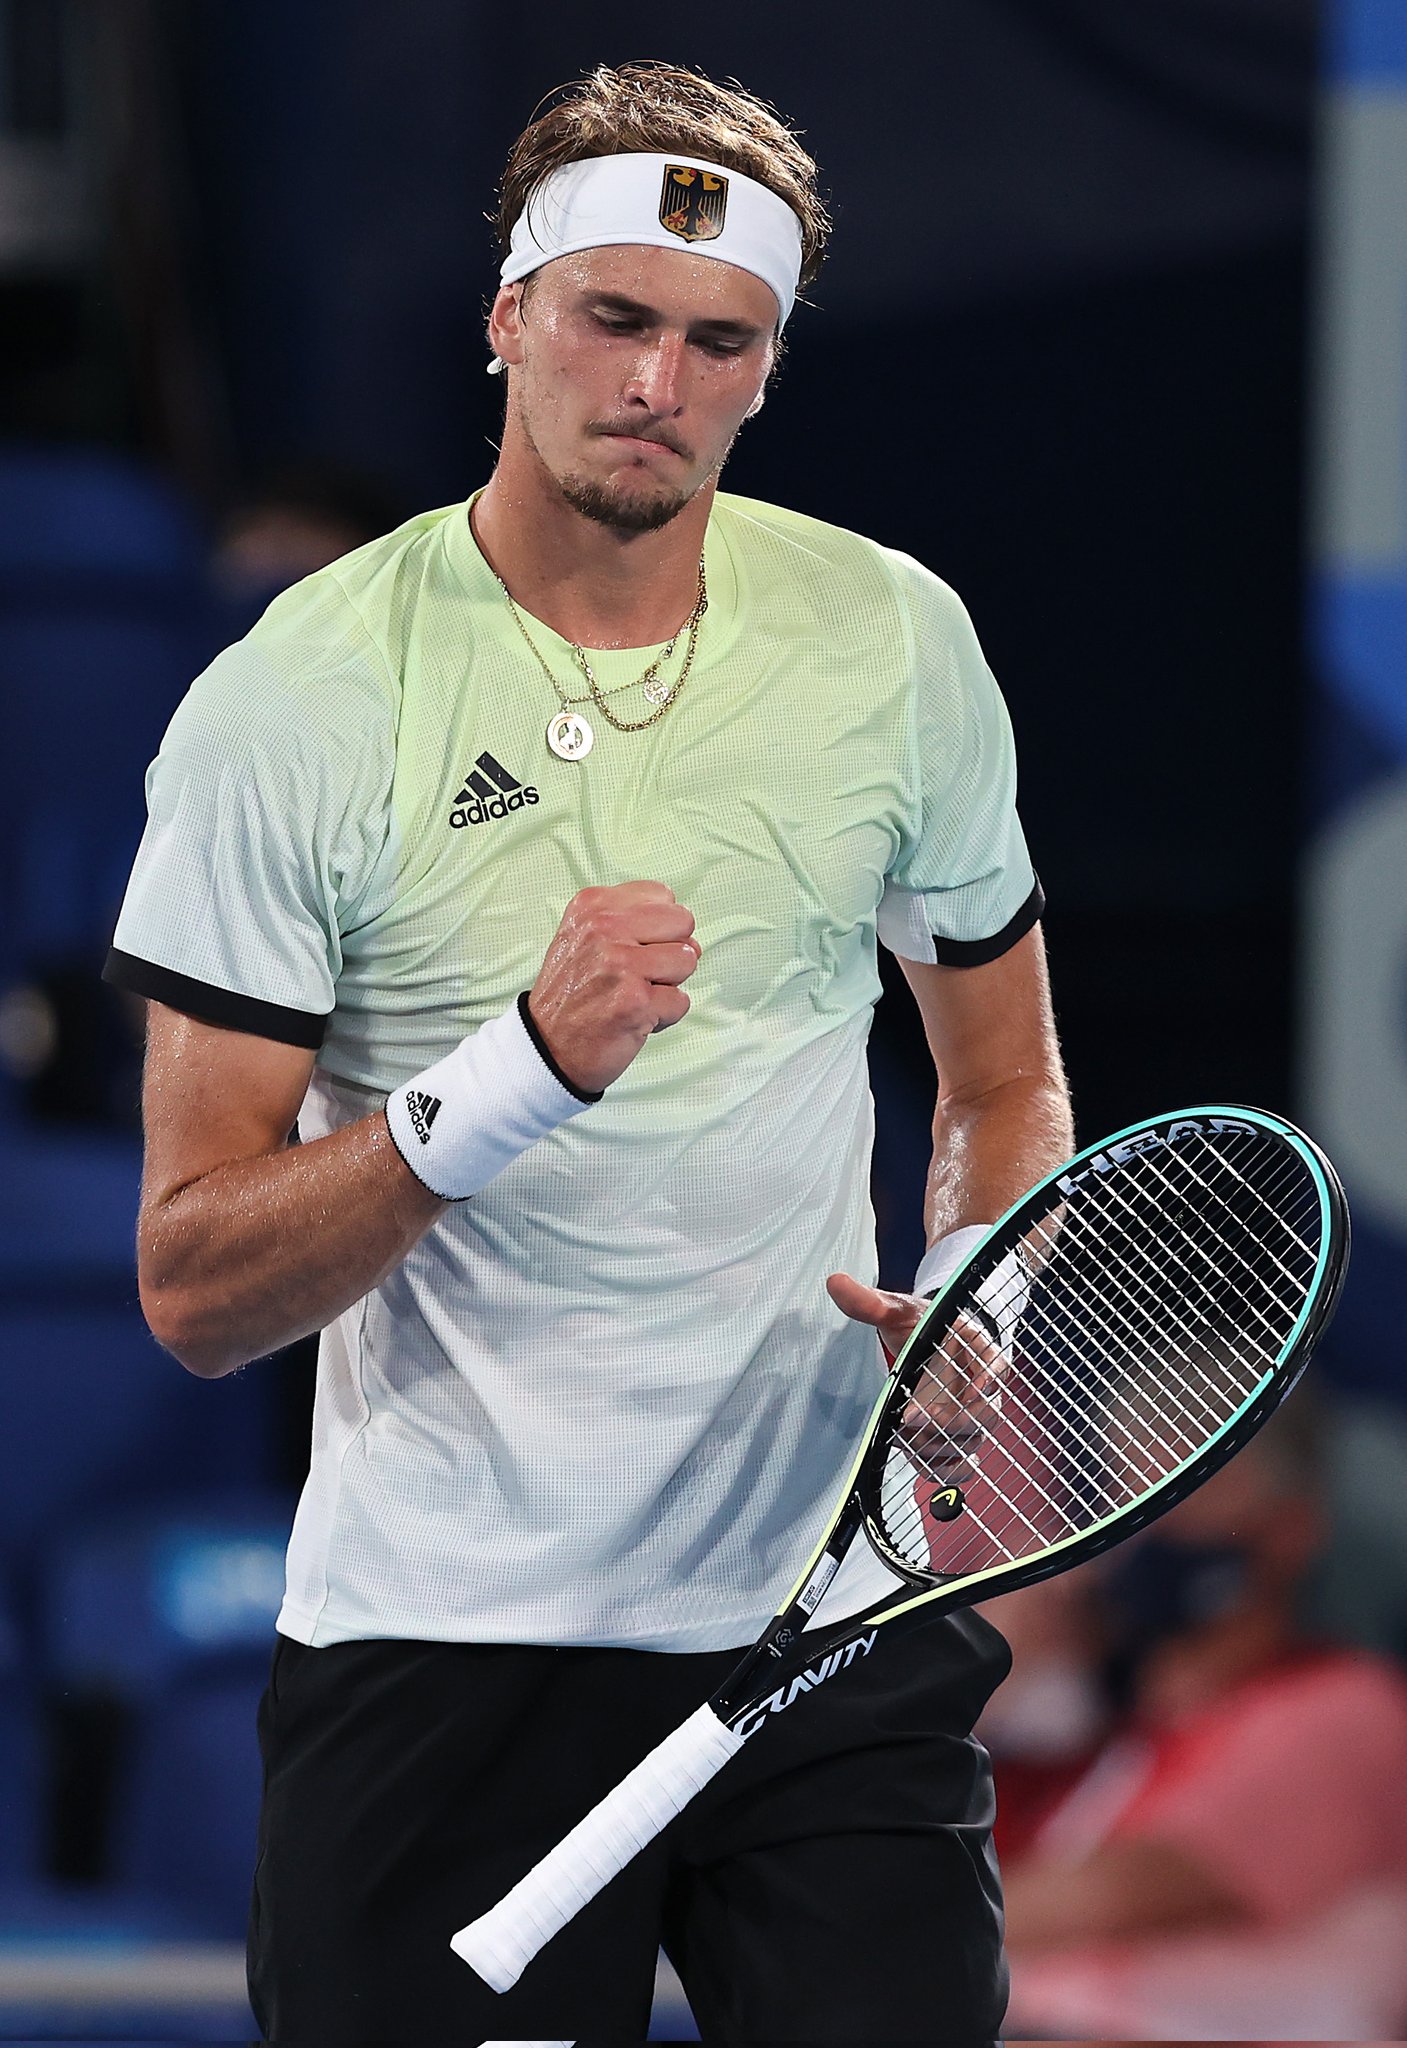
[245, 1242]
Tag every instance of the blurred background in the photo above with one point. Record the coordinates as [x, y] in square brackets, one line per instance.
[1114, 337]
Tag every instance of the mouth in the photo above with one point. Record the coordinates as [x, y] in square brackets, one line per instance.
[644, 443]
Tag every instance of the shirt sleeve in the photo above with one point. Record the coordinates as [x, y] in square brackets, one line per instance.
[268, 809]
[962, 889]
[1300, 1796]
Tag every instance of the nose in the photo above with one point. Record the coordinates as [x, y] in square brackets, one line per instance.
[657, 376]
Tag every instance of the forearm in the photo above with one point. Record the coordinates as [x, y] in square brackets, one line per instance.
[1123, 1890]
[991, 1145]
[255, 1253]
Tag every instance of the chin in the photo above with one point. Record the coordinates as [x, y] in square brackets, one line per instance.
[614, 504]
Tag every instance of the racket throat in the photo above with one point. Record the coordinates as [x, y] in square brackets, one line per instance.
[799, 1683]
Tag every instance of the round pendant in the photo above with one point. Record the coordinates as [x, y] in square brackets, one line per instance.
[569, 736]
[658, 691]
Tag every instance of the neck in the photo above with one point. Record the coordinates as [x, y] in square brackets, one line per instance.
[593, 584]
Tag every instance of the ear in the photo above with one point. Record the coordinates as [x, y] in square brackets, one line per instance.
[505, 325]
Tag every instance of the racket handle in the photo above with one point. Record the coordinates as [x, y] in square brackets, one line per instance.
[502, 1942]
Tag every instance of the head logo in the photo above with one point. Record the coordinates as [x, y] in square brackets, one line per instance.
[479, 802]
[1150, 1141]
[693, 203]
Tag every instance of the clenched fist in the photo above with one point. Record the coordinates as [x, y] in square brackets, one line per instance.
[612, 975]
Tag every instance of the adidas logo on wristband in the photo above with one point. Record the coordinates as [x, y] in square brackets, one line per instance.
[422, 1110]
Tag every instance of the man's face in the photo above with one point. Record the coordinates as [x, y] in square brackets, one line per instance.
[633, 369]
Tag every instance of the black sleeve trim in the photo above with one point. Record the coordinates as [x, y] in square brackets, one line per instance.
[214, 1005]
[547, 1060]
[977, 952]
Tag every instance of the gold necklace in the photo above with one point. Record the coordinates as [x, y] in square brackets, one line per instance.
[568, 734]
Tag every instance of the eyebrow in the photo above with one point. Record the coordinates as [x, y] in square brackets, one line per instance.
[616, 302]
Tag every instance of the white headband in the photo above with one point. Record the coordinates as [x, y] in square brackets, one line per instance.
[659, 202]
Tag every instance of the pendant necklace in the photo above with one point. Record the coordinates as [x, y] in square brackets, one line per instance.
[569, 735]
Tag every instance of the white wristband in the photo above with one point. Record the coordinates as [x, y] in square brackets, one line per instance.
[464, 1119]
[941, 1260]
[1003, 1294]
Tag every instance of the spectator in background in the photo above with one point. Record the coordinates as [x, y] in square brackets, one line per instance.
[1044, 1724]
[302, 517]
[1235, 1861]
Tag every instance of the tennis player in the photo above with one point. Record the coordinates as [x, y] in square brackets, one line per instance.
[532, 860]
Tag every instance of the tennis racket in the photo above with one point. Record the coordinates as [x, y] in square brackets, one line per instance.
[1115, 1338]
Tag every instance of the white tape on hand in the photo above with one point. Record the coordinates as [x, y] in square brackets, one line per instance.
[463, 1120]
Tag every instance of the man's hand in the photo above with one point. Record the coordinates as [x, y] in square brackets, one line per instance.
[895, 1316]
[612, 976]
[956, 1392]
[955, 1401]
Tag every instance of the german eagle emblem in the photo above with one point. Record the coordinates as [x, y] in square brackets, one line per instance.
[693, 203]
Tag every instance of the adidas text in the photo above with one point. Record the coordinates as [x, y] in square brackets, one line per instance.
[490, 791]
[497, 807]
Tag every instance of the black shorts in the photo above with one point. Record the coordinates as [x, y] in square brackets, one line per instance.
[835, 1882]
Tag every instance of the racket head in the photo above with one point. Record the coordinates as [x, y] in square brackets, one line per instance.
[1180, 1274]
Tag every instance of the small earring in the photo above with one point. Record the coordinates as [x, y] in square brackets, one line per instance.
[495, 366]
[755, 408]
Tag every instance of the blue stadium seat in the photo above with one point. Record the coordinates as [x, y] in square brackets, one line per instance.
[99, 1418]
[90, 513]
[173, 1616]
[185, 1826]
[104, 618]
[157, 1599]
[21, 1763]
[68, 1216]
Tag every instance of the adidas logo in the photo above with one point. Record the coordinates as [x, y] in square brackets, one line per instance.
[422, 1110]
[479, 800]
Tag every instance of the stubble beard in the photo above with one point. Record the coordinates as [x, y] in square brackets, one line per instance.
[611, 504]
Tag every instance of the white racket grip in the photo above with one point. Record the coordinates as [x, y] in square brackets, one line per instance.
[502, 1942]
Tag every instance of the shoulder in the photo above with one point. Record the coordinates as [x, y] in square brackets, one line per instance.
[816, 547]
[322, 669]
[362, 608]
[790, 553]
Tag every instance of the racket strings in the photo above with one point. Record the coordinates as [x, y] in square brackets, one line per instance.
[1225, 1164]
[1200, 1228]
[1296, 1281]
[1033, 1309]
[1121, 1426]
[931, 1451]
[1138, 1324]
[1153, 1300]
[920, 1444]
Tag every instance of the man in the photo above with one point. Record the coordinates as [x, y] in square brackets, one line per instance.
[532, 860]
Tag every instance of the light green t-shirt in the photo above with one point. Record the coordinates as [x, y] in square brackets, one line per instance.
[606, 1399]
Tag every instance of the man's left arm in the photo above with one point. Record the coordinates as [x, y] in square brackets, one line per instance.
[1003, 1112]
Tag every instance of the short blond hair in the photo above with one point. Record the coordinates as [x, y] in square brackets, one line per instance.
[659, 107]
